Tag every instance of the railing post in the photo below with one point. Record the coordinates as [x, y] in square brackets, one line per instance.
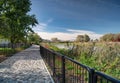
[95, 79]
[91, 75]
[41, 50]
[63, 69]
[53, 64]
[46, 55]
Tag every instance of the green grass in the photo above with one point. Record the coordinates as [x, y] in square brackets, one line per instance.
[5, 49]
[104, 59]
[9, 51]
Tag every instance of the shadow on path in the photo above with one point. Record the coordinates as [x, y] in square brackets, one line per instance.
[25, 67]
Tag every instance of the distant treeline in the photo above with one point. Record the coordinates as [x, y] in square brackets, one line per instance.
[111, 37]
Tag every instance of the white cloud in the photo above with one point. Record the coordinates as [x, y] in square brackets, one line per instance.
[80, 31]
[91, 34]
[43, 24]
[40, 27]
[59, 35]
[71, 34]
[50, 20]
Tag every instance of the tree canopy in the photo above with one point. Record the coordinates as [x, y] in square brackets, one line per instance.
[111, 37]
[55, 39]
[83, 38]
[34, 38]
[15, 22]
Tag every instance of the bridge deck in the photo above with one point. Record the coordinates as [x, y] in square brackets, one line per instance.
[25, 67]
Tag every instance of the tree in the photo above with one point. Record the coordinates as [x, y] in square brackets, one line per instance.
[55, 39]
[86, 38]
[34, 38]
[108, 37]
[117, 37]
[18, 23]
[80, 38]
[83, 38]
[111, 37]
[3, 20]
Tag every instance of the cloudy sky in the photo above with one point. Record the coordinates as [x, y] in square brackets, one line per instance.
[65, 19]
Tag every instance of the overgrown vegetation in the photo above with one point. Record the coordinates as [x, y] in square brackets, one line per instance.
[103, 57]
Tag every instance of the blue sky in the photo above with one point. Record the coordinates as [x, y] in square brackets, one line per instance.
[65, 19]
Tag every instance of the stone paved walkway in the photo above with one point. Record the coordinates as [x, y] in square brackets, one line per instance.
[25, 67]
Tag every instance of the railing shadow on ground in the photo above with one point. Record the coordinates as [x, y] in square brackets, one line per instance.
[66, 70]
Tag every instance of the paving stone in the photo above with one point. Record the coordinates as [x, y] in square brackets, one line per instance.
[25, 67]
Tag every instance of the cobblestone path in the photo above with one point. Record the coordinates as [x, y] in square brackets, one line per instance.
[25, 67]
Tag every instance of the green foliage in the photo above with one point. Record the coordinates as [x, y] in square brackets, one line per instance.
[15, 22]
[83, 38]
[103, 57]
[55, 40]
[111, 37]
[86, 38]
[80, 38]
[34, 38]
[6, 51]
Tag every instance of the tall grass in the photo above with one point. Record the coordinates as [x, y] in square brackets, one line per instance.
[104, 57]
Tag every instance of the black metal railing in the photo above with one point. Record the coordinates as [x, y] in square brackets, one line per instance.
[102, 78]
[66, 70]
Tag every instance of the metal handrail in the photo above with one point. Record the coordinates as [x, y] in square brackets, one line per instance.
[100, 75]
[92, 77]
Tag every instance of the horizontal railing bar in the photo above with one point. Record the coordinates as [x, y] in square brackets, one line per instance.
[78, 63]
[107, 77]
[59, 54]
[56, 53]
